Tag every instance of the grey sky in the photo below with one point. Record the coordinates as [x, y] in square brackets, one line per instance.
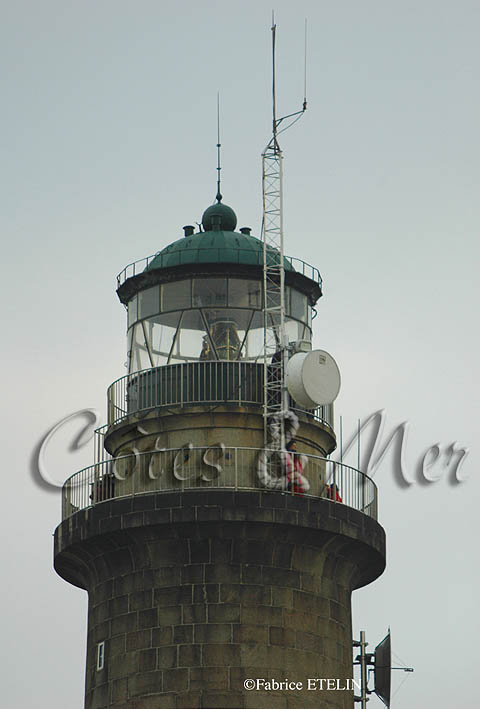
[108, 149]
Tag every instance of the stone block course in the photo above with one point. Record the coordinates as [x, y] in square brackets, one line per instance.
[196, 613]
[221, 655]
[109, 524]
[133, 519]
[147, 660]
[175, 680]
[311, 603]
[282, 597]
[167, 553]
[138, 640]
[213, 633]
[183, 514]
[119, 690]
[246, 551]
[250, 634]
[143, 502]
[122, 624]
[118, 606]
[221, 551]
[145, 683]
[166, 657]
[148, 618]
[171, 615]
[208, 513]
[140, 600]
[224, 613]
[308, 641]
[281, 577]
[246, 594]
[281, 636]
[172, 595]
[123, 665]
[259, 515]
[206, 593]
[189, 655]
[123, 584]
[199, 551]
[182, 634]
[157, 516]
[205, 678]
[118, 646]
[162, 636]
[166, 576]
[222, 573]
[262, 615]
[252, 574]
[193, 573]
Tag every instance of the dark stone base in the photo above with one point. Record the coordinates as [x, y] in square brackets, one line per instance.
[193, 593]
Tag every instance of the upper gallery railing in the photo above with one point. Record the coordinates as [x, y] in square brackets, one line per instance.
[299, 266]
[219, 467]
[190, 383]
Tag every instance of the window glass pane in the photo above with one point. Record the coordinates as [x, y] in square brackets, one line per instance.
[254, 343]
[244, 294]
[306, 333]
[132, 311]
[139, 358]
[149, 302]
[192, 343]
[298, 308]
[297, 331]
[161, 331]
[294, 330]
[209, 291]
[176, 296]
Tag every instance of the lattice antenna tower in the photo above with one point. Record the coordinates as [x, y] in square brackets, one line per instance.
[276, 400]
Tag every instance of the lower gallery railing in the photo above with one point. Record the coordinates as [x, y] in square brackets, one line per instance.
[219, 467]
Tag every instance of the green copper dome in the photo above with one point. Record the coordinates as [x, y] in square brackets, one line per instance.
[214, 247]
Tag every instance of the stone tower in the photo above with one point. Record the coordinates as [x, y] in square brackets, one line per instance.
[205, 561]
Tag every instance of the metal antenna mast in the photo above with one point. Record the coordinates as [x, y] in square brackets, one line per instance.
[275, 339]
[219, 145]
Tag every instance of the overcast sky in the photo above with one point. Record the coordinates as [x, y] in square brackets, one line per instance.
[108, 149]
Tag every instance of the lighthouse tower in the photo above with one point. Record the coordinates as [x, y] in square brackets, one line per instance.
[211, 558]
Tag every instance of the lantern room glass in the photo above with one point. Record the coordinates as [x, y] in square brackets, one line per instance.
[200, 319]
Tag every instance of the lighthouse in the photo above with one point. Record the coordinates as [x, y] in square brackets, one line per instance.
[219, 548]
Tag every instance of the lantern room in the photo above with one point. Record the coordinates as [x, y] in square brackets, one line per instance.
[201, 297]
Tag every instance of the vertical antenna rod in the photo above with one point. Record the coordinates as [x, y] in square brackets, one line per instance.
[219, 145]
[274, 94]
[305, 71]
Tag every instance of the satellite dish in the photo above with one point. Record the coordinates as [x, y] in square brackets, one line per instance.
[313, 378]
[383, 667]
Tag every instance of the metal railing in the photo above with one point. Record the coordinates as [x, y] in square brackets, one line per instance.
[217, 467]
[299, 266]
[100, 452]
[191, 383]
